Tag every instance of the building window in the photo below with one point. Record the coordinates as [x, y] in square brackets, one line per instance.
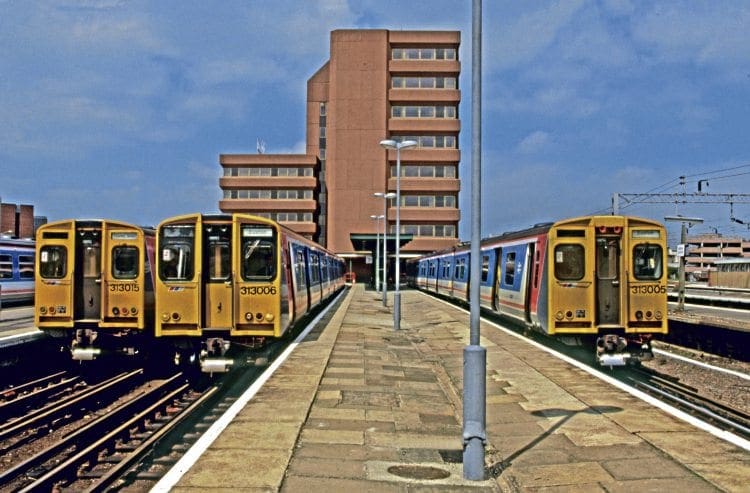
[429, 230]
[430, 141]
[409, 82]
[423, 53]
[431, 201]
[425, 171]
[448, 112]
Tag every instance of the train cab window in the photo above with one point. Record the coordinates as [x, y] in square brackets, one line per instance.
[647, 262]
[53, 261]
[569, 262]
[177, 264]
[176, 257]
[257, 259]
[6, 267]
[125, 262]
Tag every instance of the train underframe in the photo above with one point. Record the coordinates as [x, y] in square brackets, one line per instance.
[616, 349]
[215, 353]
[87, 343]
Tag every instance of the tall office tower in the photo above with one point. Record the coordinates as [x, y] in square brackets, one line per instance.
[376, 85]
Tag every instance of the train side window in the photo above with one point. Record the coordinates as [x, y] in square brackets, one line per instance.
[125, 262]
[647, 262]
[26, 267]
[6, 267]
[54, 261]
[300, 270]
[569, 262]
[510, 268]
[485, 267]
[258, 259]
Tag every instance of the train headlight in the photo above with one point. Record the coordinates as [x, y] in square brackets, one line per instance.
[658, 315]
[269, 317]
[649, 314]
[249, 317]
[133, 310]
[165, 317]
[115, 311]
[43, 310]
[639, 315]
[559, 316]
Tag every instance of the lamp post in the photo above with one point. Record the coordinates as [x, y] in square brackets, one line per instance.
[394, 144]
[385, 197]
[377, 250]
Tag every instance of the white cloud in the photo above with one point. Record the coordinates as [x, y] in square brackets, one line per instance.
[534, 142]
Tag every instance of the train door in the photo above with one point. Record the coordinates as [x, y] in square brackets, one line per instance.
[180, 290]
[122, 280]
[87, 289]
[530, 269]
[218, 281]
[608, 280]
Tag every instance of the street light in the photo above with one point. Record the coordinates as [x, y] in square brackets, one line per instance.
[385, 197]
[377, 250]
[393, 144]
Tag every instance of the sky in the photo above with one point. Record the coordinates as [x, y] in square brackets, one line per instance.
[120, 109]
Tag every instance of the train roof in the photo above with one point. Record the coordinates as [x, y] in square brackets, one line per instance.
[95, 221]
[16, 242]
[540, 228]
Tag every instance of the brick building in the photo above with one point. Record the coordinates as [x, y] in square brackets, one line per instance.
[17, 221]
[376, 85]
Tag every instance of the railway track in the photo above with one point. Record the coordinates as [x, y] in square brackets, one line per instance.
[691, 401]
[97, 454]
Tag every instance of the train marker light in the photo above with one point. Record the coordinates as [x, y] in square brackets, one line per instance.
[269, 317]
[248, 316]
[165, 317]
[115, 311]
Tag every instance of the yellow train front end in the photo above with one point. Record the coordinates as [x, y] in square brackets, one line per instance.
[93, 285]
[608, 281]
[218, 283]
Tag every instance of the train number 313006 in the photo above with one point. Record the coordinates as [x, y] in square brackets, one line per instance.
[255, 290]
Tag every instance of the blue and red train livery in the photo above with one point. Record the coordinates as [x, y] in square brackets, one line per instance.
[16, 271]
[586, 279]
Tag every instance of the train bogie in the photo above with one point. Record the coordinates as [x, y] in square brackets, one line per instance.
[94, 285]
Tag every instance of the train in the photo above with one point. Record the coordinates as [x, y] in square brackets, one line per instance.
[594, 280]
[95, 285]
[16, 271]
[235, 279]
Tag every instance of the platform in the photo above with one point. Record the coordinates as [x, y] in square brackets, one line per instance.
[359, 407]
